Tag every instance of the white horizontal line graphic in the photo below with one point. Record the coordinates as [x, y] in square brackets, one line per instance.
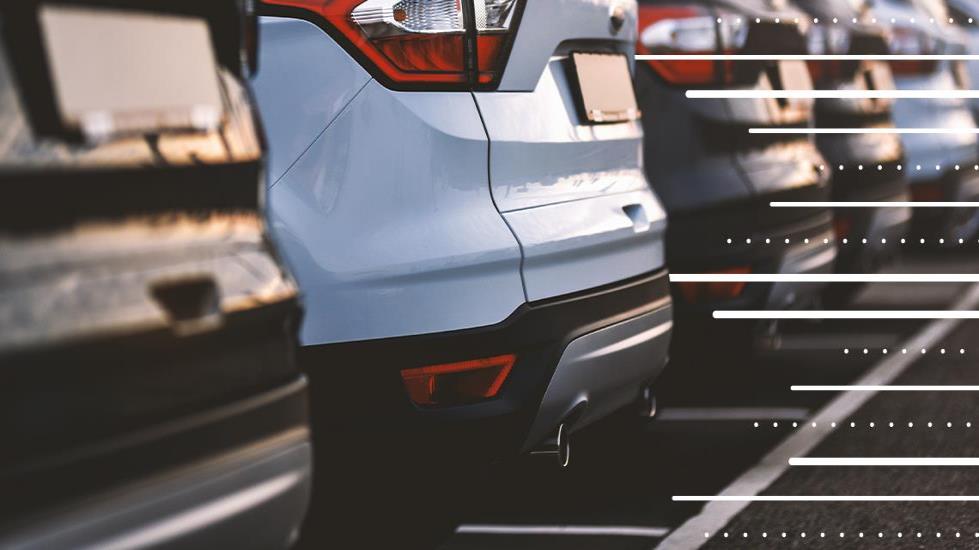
[594, 530]
[824, 277]
[881, 388]
[826, 498]
[842, 314]
[863, 130]
[806, 57]
[719, 510]
[832, 94]
[884, 461]
[874, 204]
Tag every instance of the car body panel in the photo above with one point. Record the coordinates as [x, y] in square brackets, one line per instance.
[543, 153]
[306, 102]
[383, 252]
[548, 27]
[567, 188]
[584, 244]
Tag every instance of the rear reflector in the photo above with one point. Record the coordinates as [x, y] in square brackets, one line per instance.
[415, 42]
[842, 226]
[699, 292]
[930, 191]
[458, 383]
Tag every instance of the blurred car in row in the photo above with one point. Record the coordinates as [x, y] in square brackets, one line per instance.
[865, 167]
[461, 196]
[716, 179]
[150, 396]
[939, 165]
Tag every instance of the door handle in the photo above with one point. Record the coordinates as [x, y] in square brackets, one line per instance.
[191, 304]
[637, 213]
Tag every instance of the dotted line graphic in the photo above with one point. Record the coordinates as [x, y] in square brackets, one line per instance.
[853, 424]
[884, 351]
[837, 20]
[844, 534]
[899, 167]
[847, 240]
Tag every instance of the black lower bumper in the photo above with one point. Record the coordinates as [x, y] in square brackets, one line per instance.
[357, 391]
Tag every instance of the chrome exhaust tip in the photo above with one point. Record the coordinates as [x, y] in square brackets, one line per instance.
[558, 446]
[647, 402]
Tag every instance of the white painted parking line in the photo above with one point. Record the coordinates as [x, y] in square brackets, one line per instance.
[580, 530]
[883, 461]
[879, 387]
[721, 508]
[693, 414]
[847, 314]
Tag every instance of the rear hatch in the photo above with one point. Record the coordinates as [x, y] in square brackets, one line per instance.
[136, 283]
[565, 169]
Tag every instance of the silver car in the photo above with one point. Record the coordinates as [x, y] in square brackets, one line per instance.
[941, 167]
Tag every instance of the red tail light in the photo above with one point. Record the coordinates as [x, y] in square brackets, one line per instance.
[699, 292]
[688, 30]
[913, 67]
[421, 42]
[842, 226]
[458, 383]
[912, 41]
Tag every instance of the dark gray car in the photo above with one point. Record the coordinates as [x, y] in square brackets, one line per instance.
[149, 395]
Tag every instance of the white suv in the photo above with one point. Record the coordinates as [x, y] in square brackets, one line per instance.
[459, 189]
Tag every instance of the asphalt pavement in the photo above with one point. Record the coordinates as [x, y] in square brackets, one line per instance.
[735, 426]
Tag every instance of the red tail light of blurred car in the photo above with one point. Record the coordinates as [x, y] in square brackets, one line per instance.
[420, 42]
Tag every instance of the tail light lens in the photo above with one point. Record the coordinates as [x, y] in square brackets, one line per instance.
[688, 30]
[700, 292]
[412, 42]
[458, 383]
[911, 41]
